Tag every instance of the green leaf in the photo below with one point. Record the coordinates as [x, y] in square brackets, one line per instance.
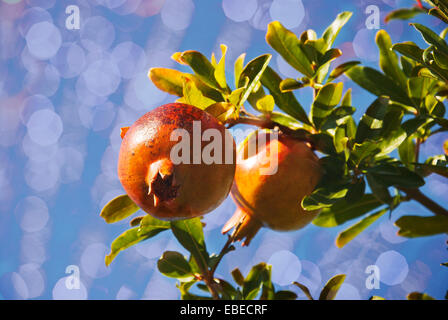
[332, 287]
[238, 276]
[349, 234]
[418, 88]
[416, 226]
[324, 64]
[173, 264]
[328, 97]
[266, 104]
[118, 209]
[254, 280]
[341, 69]
[152, 226]
[377, 83]
[288, 46]
[239, 64]
[403, 14]
[333, 30]
[285, 295]
[419, 296]
[290, 85]
[253, 71]
[389, 60]
[168, 80]
[220, 70]
[221, 111]
[287, 102]
[356, 191]
[323, 197]
[343, 211]
[392, 175]
[432, 38]
[190, 235]
[407, 152]
[193, 96]
[372, 121]
[376, 298]
[285, 120]
[379, 190]
[305, 289]
[126, 240]
[201, 66]
[409, 49]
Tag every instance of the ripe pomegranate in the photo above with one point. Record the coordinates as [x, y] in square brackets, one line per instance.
[272, 200]
[170, 189]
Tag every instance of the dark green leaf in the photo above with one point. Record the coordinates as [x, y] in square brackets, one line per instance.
[349, 234]
[173, 264]
[190, 235]
[238, 276]
[372, 121]
[332, 287]
[254, 280]
[285, 295]
[432, 38]
[416, 226]
[356, 191]
[379, 190]
[118, 209]
[323, 197]
[377, 83]
[343, 211]
[390, 175]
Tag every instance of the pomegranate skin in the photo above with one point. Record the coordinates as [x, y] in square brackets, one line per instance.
[273, 200]
[167, 190]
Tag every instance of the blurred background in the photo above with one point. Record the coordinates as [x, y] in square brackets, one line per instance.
[65, 93]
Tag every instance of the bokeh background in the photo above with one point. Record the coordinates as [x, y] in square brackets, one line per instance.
[64, 94]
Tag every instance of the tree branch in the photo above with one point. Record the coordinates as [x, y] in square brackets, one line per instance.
[428, 203]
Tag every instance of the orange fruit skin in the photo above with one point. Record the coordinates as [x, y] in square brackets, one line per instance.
[199, 188]
[275, 200]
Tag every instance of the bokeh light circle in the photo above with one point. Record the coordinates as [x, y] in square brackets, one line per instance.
[43, 40]
[177, 14]
[289, 12]
[239, 11]
[286, 267]
[44, 127]
[32, 213]
[393, 267]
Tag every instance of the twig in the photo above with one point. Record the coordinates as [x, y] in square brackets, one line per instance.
[428, 203]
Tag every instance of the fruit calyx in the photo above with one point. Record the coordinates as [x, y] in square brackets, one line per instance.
[161, 182]
[245, 227]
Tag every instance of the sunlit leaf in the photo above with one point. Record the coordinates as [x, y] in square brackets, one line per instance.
[343, 211]
[341, 69]
[328, 97]
[220, 70]
[239, 65]
[118, 209]
[253, 71]
[333, 30]
[287, 102]
[432, 38]
[201, 66]
[290, 84]
[371, 122]
[388, 59]
[193, 96]
[349, 234]
[305, 289]
[403, 14]
[266, 104]
[288, 46]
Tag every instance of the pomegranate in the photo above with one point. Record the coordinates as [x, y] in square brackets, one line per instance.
[272, 199]
[165, 187]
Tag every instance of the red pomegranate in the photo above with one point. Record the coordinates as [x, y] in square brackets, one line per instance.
[272, 198]
[170, 182]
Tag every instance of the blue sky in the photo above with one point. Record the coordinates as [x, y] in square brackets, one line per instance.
[64, 94]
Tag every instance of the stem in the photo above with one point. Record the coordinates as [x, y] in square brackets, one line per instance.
[209, 277]
[428, 203]
[269, 124]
